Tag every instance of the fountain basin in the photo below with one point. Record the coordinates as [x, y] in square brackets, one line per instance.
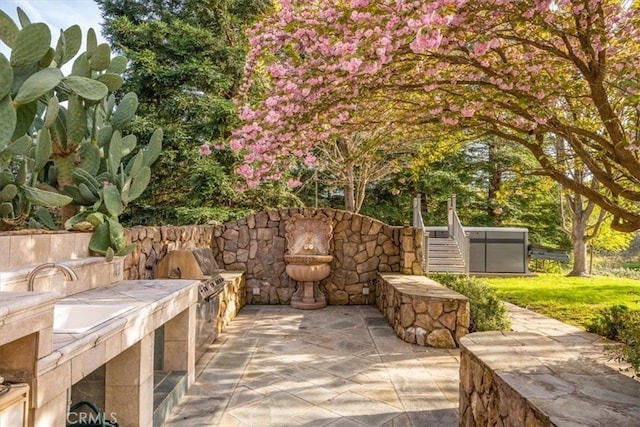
[308, 259]
[308, 268]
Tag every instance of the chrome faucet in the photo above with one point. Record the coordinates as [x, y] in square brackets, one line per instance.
[69, 274]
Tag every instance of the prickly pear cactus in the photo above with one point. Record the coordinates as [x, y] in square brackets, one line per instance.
[61, 137]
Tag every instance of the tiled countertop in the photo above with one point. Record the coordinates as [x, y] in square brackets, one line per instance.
[24, 313]
[153, 302]
[12, 303]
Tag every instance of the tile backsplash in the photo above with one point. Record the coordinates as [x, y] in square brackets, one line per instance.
[18, 250]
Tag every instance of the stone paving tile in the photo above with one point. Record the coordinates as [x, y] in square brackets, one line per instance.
[339, 366]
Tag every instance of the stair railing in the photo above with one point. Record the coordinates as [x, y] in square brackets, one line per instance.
[419, 223]
[457, 233]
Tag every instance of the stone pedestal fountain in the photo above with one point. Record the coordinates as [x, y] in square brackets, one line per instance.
[308, 260]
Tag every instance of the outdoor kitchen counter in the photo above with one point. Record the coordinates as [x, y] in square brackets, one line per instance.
[123, 342]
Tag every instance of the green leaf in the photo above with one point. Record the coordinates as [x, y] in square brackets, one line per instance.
[75, 194]
[6, 177]
[24, 115]
[101, 57]
[43, 149]
[37, 85]
[139, 183]
[31, 44]
[129, 142]
[95, 218]
[81, 66]
[112, 200]
[154, 148]
[90, 158]
[112, 81]
[108, 256]
[104, 135]
[20, 147]
[127, 250]
[86, 88]
[111, 103]
[23, 18]
[100, 240]
[45, 198]
[115, 152]
[92, 41]
[87, 193]
[6, 209]
[6, 76]
[47, 59]
[8, 122]
[53, 107]
[8, 192]
[135, 164]
[125, 111]
[44, 217]
[116, 234]
[69, 44]
[118, 65]
[8, 29]
[76, 122]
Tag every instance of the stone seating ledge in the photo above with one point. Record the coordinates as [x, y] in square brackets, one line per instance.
[523, 378]
[422, 311]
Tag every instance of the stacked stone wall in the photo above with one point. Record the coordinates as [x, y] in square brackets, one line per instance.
[422, 311]
[153, 243]
[527, 379]
[361, 247]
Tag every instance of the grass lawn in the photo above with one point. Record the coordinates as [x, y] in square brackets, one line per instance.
[573, 300]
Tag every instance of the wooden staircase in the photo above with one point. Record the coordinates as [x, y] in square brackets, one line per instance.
[444, 256]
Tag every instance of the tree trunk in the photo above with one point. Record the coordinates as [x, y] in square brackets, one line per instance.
[349, 192]
[579, 241]
[495, 182]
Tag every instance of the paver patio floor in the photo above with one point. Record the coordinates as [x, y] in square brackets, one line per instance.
[338, 366]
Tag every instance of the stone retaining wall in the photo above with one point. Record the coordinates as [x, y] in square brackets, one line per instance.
[422, 311]
[155, 242]
[361, 247]
[232, 298]
[526, 379]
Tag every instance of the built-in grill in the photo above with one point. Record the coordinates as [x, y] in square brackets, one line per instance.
[197, 264]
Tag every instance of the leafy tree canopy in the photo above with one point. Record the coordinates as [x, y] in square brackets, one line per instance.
[526, 71]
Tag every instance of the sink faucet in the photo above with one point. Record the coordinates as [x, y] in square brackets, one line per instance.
[69, 274]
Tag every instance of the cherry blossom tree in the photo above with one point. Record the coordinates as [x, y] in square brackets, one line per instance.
[526, 71]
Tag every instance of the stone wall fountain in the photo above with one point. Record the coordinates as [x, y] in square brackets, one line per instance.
[307, 258]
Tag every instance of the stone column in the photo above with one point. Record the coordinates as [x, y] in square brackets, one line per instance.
[180, 344]
[129, 385]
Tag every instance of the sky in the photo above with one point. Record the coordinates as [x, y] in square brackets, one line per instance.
[58, 14]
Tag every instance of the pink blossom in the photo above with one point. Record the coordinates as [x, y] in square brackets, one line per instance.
[294, 182]
[425, 41]
[204, 150]
[467, 112]
[359, 3]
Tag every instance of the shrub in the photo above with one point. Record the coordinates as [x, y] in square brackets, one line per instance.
[488, 313]
[609, 322]
[629, 336]
[620, 324]
[618, 272]
[149, 215]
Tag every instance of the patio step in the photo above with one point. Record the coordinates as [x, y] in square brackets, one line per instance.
[444, 256]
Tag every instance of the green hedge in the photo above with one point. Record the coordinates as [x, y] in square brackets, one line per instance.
[148, 215]
[488, 313]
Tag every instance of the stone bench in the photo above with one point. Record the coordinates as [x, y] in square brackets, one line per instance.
[422, 311]
[523, 378]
